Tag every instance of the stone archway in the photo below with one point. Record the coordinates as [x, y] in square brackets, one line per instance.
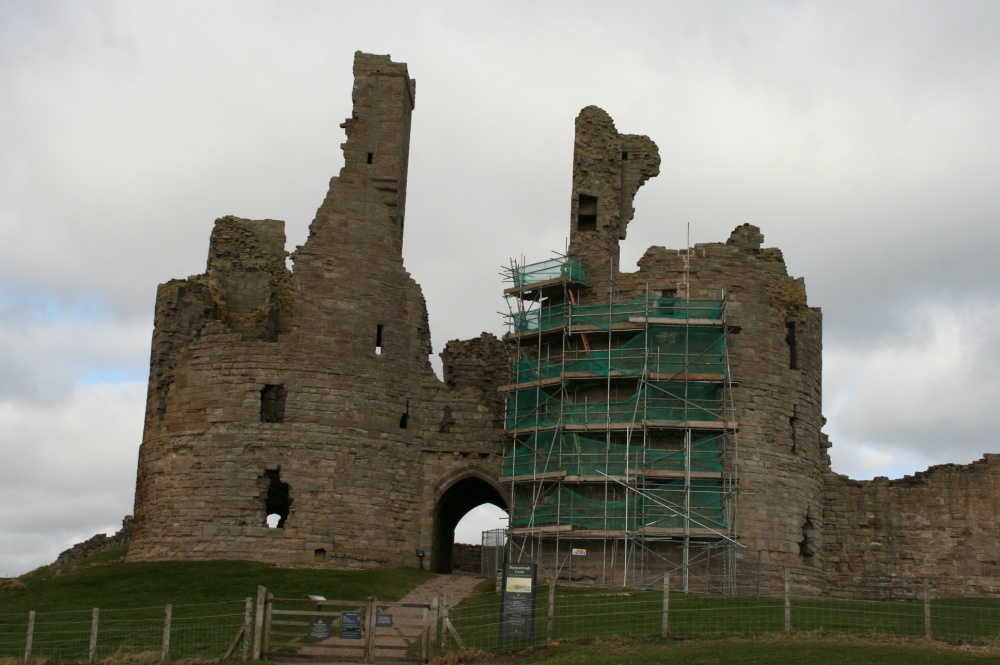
[454, 502]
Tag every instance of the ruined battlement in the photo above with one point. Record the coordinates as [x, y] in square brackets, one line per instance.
[293, 416]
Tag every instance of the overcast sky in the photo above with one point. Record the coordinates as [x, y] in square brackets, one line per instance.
[861, 137]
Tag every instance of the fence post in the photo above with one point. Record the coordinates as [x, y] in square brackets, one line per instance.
[268, 608]
[165, 649]
[665, 629]
[432, 634]
[927, 610]
[247, 615]
[370, 629]
[788, 604]
[29, 637]
[425, 649]
[552, 612]
[259, 622]
[92, 656]
[444, 618]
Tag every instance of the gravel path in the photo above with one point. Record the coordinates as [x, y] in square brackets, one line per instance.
[456, 587]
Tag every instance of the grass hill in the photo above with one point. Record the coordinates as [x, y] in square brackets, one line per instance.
[103, 581]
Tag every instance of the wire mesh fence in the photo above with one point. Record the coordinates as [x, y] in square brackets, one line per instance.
[572, 613]
[171, 632]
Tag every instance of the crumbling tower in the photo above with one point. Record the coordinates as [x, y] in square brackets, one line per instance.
[308, 395]
[646, 434]
[608, 170]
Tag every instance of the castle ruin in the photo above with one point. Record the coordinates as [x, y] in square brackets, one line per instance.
[662, 420]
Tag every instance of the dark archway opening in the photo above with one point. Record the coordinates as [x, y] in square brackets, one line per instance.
[458, 500]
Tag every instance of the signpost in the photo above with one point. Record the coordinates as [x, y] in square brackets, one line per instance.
[517, 605]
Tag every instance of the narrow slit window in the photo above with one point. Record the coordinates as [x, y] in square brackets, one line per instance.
[378, 339]
[793, 351]
[586, 213]
[793, 424]
[404, 419]
[370, 155]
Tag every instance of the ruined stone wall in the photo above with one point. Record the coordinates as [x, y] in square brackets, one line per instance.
[939, 525]
[309, 394]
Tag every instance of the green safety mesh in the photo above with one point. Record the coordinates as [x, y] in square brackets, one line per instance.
[603, 316]
[663, 350]
[552, 269]
[664, 402]
[553, 451]
[661, 507]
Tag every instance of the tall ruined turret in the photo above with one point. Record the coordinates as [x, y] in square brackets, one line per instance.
[308, 395]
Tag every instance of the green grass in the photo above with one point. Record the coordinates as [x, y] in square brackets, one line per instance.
[208, 599]
[583, 614]
[155, 584]
[815, 650]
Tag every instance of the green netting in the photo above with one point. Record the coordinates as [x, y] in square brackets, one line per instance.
[670, 351]
[564, 267]
[661, 508]
[603, 316]
[665, 505]
[662, 402]
[552, 451]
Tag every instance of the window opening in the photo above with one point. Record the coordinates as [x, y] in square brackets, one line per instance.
[319, 555]
[624, 156]
[370, 158]
[378, 340]
[793, 422]
[277, 500]
[405, 417]
[447, 420]
[586, 213]
[807, 545]
[793, 352]
[272, 404]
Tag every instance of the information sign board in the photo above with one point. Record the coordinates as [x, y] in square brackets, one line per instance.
[350, 625]
[319, 628]
[517, 605]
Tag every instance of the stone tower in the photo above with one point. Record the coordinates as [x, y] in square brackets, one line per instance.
[307, 395]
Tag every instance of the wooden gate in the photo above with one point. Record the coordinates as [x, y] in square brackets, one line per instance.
[344, 630]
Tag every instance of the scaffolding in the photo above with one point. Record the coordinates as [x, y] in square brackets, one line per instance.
[621, 429]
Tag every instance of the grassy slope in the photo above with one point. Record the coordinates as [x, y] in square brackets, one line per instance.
[808, 649]
[83, 585]
[86, 584]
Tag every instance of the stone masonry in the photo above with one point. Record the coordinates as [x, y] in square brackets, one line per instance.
[307, 394]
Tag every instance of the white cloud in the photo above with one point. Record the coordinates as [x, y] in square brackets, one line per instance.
[924, 395]
[68, 472]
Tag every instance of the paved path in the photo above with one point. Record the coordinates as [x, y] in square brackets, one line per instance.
[456, 587]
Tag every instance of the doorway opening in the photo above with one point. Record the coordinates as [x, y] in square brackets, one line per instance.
[462, 498]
